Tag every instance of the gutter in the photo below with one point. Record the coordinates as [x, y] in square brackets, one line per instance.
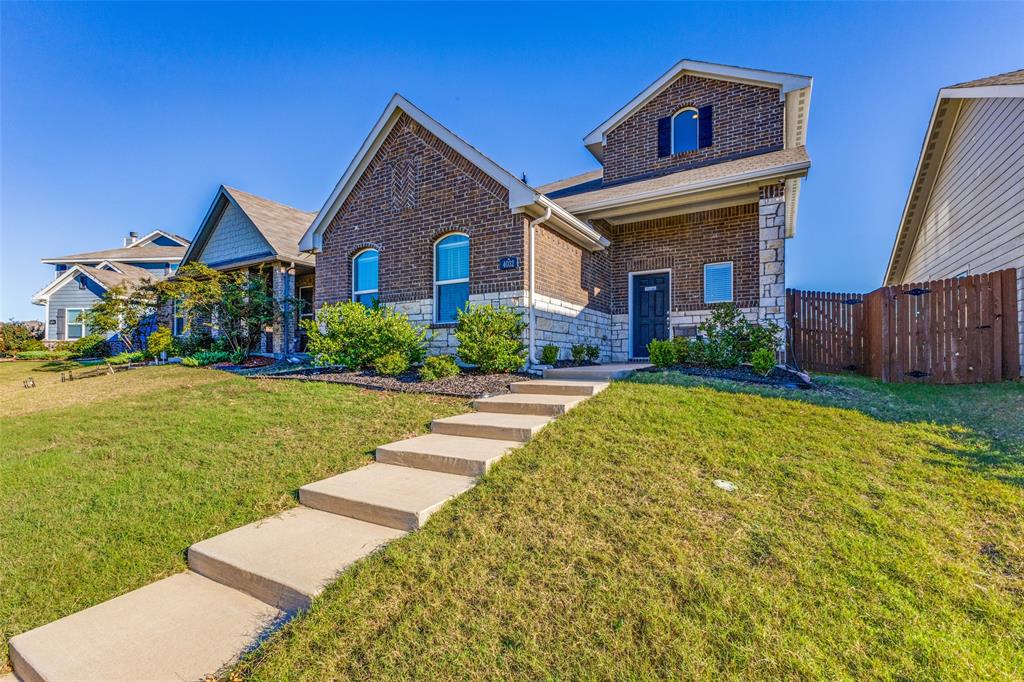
[533, 283]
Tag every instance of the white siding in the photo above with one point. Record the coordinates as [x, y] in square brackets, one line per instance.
[234, 238]
[975, 216]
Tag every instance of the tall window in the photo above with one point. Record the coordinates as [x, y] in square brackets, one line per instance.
[451, 277]
[179, 319]
[718, 282]
[75, 326]
[685, 131]
[365, 268]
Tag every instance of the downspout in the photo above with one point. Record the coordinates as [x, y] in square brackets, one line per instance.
[533, 283]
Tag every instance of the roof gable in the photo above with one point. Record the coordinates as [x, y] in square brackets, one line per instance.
[160, 238]
[794, 90]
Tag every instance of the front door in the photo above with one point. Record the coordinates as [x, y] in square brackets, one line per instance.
[650, 311]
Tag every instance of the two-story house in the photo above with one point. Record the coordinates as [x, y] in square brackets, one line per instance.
[695, 196]
[81, 279]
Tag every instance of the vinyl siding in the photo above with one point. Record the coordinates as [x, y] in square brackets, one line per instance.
[975, 216]
[234, 238]
[70, 296]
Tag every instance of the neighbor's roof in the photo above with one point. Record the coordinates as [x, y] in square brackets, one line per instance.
[126, 254]
[936, 139]
[129, 274]
[794, 89]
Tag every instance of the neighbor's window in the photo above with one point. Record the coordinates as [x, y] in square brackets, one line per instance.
[179, 320]
[718, 282]
[451, 277]
[75, 327]
[685, 130]
[365, 269]
[306, 310]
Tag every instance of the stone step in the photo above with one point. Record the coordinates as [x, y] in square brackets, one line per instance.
[559, 387]
[615, 370]
[517, 427]
[290, 558]
[449, 454]
[528, 403]
[394, 496]
[184, 627]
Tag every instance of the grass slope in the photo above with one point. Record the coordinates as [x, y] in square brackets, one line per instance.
[104, 482]
[877, 533]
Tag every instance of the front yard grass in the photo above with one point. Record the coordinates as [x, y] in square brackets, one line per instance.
[104, 482]
[876, 532]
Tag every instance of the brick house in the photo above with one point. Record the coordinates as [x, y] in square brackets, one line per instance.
[695, 197]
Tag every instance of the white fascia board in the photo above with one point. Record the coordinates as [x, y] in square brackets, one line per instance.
[142, 241]
[983, 92]
[44, 294]
[133, 259]
[572, 227]
[799, 168]
[519, 194]
[784, 81]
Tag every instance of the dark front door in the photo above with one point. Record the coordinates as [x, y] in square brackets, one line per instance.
[650, 311]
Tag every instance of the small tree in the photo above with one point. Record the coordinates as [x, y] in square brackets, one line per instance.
[126, 310]
[241, 302]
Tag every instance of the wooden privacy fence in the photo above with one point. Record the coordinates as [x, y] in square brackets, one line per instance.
[950, 331]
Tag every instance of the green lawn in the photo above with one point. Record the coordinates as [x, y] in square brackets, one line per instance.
[876, 532]
[104, 482]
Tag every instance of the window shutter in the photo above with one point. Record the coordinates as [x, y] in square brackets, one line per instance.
[665, 136]
[704, 134]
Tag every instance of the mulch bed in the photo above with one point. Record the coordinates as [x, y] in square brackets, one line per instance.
[251, 362]
[778, 377]
[468, 384]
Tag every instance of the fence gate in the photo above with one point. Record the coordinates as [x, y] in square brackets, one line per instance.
[952, 331]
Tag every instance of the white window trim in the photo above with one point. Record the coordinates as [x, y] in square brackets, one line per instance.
[672, 128]
[312, 312]
[732, 283]
[629, 308]
[362, 292]
[438, 283]
[68, 323]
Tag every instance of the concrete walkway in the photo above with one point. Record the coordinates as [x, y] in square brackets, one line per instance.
[614, 370]
[243, 584]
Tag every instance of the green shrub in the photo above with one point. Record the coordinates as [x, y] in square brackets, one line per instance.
[731, 335]
[491, 338]
[662, 353]
[91, 346]
[18, 336]
[160, 341]
[681, 346]
[439, 367]
[578, 352]
[763, 360]
[355, 336]
[125, 358]
[592, 352]
[391, 364]
[190, 344]
[549, 354]
[42, 355]
[206, 357]
[721, 354]
[696, 353]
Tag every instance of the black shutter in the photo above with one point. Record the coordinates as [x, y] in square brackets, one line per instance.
[665, 136]
[704, 127]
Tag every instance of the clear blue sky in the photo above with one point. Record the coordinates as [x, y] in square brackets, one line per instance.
[128, 116]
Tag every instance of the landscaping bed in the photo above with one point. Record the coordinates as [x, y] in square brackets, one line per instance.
[778, 377]
[468, 384]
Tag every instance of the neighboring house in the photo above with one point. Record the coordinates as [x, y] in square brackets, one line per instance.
[80, 280]
[965, 211]
[697, 193]
[244, 231]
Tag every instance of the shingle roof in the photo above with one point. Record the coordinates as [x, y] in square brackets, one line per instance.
[557, 185]
[110, 278]
[1008, 78]
[126, 254]
[282, 226]
[710, 175]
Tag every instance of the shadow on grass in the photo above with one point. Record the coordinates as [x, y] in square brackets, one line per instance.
[986, 420]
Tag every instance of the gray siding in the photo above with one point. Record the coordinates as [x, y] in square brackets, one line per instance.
[69, 296]
[975, 216]
[234, 238]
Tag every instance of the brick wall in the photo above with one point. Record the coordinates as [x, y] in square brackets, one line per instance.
[570, 273]
[415, 190]
[747, 118]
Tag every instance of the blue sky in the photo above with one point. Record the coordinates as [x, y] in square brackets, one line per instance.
[128, 116]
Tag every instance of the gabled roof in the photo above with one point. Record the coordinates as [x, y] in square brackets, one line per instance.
[280, 225]
[521, 197]
[142, 241]
[127, 254]
[794, 89]
[107, 279]
[936, 139]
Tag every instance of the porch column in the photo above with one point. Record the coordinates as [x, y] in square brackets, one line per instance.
[285, 327]
[772, 247]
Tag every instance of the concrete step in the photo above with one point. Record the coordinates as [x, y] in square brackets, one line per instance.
[616, 370]
[517, 427]
[184, 627]
[449, 454]
[290, 558]
[394, 496]
[559, 387]
[528, 403]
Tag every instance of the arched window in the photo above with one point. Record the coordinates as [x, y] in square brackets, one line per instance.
[685, 130]
[365, 267]
[451, 276]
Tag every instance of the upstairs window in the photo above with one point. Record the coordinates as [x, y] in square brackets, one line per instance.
[451, 277]
[718, 282]
[365, 269]
[684, 130]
